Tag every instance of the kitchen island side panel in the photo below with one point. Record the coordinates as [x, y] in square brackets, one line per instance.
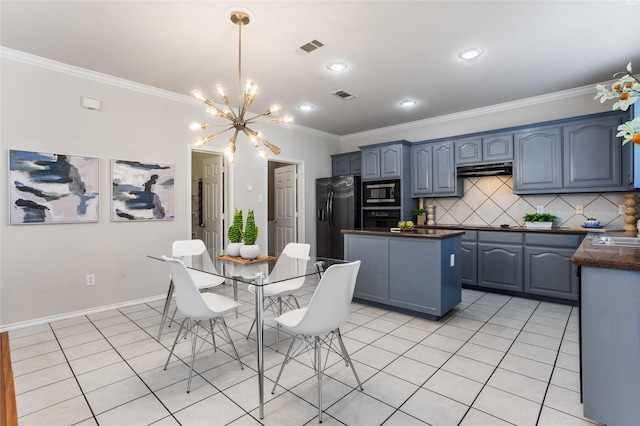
[373, 278]
[610, 309]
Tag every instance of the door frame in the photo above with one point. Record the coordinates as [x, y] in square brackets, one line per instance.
[300, 194]
[226, 188]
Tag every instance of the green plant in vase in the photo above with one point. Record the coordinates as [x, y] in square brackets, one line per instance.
[250, 249]
[235, 234]
[539, 220]
[420, 215]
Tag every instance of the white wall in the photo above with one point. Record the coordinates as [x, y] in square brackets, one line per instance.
[43, 267]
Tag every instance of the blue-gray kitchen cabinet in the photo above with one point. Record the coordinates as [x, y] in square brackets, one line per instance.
[382, 162]
[537, 160]
[346, 164]
[433, 170]
[500, 256]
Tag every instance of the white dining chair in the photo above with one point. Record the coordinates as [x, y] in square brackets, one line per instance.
[181, 249]
[198, 307]
[281, 295]
[319, 323]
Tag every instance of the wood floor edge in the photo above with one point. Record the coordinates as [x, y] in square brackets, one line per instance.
[9, 413]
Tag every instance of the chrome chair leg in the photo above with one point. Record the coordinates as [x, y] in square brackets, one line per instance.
[347, 357]
[194, 343]
[319, 373]
[174, 343]
[286, 359]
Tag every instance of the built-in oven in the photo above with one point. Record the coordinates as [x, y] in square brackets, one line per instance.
[381, 193]
[380, 218]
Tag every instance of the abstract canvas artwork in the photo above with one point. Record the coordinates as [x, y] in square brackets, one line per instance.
[141, 191]
[53, 188]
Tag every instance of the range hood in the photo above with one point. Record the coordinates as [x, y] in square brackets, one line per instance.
[477, 170]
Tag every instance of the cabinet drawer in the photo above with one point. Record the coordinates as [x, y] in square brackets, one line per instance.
[555, 240]
[500, 237]
[470, 236]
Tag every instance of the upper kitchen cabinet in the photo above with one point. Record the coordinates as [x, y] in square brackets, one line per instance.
[592, 154]
[577, 155]
[487, 149]
[433, 170]
[384, 161]
[346, 164]
[538, 160]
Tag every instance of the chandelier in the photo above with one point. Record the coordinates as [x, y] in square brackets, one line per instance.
[237, 119]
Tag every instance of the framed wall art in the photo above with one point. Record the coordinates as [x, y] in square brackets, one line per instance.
[53, 188]
[141, 191]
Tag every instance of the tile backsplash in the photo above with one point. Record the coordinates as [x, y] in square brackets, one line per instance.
[490, 201]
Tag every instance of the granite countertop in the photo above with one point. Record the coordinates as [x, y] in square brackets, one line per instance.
[607, 256]
[414, 233]
[520, 228]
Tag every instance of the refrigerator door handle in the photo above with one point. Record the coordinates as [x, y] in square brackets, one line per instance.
[330, 209]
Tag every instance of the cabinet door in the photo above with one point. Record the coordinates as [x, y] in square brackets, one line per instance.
[355, 162]
[469, 263]
[340, 165]
[549, 272]
[391, 161]
[468, 151]
[500, 266]
[538, 160]
[444, 169]
[592, 154]
[421, 171]
[370, 163]
[497, 148]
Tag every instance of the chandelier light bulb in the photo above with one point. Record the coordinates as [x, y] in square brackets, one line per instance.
[198, 95]
[198, 126]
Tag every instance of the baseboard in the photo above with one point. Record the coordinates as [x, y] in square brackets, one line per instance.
[45, 320]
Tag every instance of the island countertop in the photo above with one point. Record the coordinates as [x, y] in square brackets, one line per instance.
[626, 258]
[414, 233]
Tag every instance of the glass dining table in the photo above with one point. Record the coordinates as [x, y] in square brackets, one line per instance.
[261, 272]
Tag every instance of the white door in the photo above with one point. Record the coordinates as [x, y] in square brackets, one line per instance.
[286, 215]
[212, 193]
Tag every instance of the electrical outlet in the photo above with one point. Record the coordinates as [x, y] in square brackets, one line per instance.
[579, 209]
[91, 279]
[621, 208]
[540, 209]
[453, 260]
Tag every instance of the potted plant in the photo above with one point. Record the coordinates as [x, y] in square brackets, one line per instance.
[539, 220]
[420, 215]
[235, 234]
[250, 249]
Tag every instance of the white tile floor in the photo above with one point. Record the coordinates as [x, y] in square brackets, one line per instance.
[493, 360]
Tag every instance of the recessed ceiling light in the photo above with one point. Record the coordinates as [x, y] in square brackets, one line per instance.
[469, 54]
[305, 107]
[408, 103]
[337, 66]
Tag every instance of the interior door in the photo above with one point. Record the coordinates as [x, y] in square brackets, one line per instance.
[212, 193]
[286, 215]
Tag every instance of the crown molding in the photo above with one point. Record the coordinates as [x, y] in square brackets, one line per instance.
[536, 100]
[83, 73]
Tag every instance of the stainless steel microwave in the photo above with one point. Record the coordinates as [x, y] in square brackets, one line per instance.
[381, 193]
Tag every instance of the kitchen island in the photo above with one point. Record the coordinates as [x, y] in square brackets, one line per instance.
[610, 332]
[414, 271]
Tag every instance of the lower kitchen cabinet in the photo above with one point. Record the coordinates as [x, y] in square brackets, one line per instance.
[548, 270]
[469, 258]
[529, 263]
[500, 260]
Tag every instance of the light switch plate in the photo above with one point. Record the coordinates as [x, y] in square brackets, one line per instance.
[453, 260]
[579, 209]
[540, 209]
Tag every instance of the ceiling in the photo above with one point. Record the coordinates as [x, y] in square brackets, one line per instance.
[395, 50]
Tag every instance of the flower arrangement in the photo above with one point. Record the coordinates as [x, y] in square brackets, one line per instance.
[235, 231]
[250, 230]
[626, 90]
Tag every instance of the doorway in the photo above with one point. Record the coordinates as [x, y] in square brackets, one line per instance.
[283, 205]
[207, 199]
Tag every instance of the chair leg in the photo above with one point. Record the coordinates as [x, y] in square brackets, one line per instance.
[286, 359]
[174, 342]
[213, 334]
[347, 358]
[319, 374]
[251, 328]
[226, 331]
[194, 344]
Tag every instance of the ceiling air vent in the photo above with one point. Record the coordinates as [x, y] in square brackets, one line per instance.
[344, 95]
[311, 46]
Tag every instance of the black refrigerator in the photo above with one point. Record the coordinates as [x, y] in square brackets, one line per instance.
[337, 207]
